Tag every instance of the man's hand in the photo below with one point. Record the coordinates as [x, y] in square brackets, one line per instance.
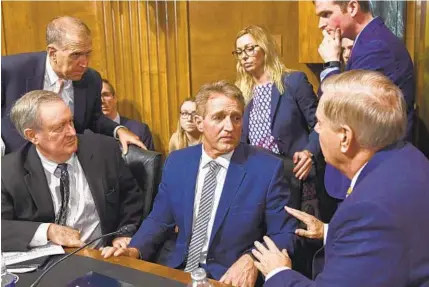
[126, 137]
[330, 48]
[303, 164]
[271, 258]
[315, 227]
[242, 273]
[64, 235]
[108, 251]
[121, 242]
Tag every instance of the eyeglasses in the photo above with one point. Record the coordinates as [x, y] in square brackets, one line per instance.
[248, 51]
[185, 115]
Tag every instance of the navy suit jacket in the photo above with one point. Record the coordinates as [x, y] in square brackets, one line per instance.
[378, 49]
[292, 116]
[251, 205]
[379, 234]
[23, 73]
[140, 129]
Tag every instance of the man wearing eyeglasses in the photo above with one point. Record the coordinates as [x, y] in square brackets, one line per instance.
[63, 69]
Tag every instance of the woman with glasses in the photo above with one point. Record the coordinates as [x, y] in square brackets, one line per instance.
[187, 133]
[280, 114]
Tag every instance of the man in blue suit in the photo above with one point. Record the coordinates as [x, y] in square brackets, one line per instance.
[375, 48]
[62, 69]
[378, 236]
[110, 109]
[248, 192]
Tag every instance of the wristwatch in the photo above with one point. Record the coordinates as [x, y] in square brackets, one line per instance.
[332, 64]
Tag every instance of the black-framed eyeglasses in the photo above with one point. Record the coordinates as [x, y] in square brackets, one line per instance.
[185, 115]
[248, 51]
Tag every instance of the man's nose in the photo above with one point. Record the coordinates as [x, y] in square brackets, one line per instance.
[322, 24]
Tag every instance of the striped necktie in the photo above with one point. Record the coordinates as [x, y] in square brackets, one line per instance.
[65, 193]
[199, 233]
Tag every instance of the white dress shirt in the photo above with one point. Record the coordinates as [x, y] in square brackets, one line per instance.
[52, 84]
[82, 213]
[325, 226]
[223, 161]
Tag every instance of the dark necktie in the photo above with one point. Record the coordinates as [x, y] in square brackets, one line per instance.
[204, 213]
[65, 193]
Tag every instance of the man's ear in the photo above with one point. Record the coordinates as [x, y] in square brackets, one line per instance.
[51, 51]
[353, 8]
[31, 136]
[347, 137]
[199, 122]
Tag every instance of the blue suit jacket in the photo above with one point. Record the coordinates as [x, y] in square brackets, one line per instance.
[23, 73]
[140, 129]
[378, 49]
[292, 116]
[251, 205]
[379, 234]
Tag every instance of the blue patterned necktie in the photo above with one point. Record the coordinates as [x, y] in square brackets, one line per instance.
[65, 193]
[204, 212]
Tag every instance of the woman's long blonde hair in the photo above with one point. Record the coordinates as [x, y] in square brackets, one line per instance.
[272, 64]
[179, 139]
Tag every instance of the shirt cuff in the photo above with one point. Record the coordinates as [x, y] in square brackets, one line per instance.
[40, 237]
[275, 271]
[116, 130]
[325, 72]
[325, 233]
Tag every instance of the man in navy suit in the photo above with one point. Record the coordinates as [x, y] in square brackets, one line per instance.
[249, 191]
[378, 236]
[375, 48]
[62, 69]
[109, 107]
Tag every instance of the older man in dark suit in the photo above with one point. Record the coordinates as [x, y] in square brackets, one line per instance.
[378, 236]
[61, 187]
[63, 69]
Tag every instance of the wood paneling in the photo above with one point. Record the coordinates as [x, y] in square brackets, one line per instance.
[214, 25]
[417, 40]
[310, 36]
[140, 46]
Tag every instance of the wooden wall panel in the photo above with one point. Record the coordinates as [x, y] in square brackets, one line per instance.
[309, 33]
[417, 39]
[140, 46]
[214, 25]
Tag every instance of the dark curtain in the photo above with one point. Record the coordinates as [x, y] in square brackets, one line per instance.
[393, 14]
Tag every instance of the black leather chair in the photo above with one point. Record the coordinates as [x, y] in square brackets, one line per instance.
[146, 167]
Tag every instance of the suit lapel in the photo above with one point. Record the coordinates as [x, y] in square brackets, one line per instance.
[79, 94]
[234, 177]
[190, 180]
[93, 177]
[275, 99]
[37, 185]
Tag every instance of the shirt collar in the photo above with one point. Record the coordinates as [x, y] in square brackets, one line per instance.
[117, 119]
[223, 160]
[355, 177]
[51, 166]
[52, 76]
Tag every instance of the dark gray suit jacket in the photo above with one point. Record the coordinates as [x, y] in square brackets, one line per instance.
[26, 199]
[23, 73]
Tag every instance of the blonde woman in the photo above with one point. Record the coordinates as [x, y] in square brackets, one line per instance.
[187, 133]
[280, 114]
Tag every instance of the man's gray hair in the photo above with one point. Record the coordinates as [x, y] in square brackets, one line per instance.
[369, 103]
[60, 26]
[25, 112]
